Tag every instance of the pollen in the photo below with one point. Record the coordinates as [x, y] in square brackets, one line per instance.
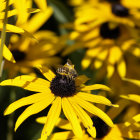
[120, 10]
[63, 86]
[108, 33]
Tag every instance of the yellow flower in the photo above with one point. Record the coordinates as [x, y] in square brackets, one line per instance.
[106, 36]
[23, 9]
[65, 92]
[28, 52]
[34, 47]
[106, 47]
[119, 131]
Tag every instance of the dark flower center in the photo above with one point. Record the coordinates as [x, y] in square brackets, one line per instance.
[63, 86]
[108, 33]
[113, 1]
[120, 10]
[18, 55]
[102, 129]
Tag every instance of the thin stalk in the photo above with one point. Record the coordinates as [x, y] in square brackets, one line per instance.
[3, 36]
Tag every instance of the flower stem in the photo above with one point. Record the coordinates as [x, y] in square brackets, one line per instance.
[3, 36]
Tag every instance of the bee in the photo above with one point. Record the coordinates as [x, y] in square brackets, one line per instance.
[67, 70]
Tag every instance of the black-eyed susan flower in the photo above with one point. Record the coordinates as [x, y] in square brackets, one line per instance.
[107, 34]
[106, 37]
[120, 131]
[22, 10]
[28, 52]
[65, 91]
[106, 47]
[40, 47]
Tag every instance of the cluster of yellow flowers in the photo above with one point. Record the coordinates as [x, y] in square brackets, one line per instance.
[102, 40]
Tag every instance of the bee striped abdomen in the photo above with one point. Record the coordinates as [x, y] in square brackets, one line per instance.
[67, 70]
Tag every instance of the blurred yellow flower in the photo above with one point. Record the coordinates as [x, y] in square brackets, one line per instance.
[28, 52]
[41, 47]
[106, 36]
[23, 9]
[63, 92]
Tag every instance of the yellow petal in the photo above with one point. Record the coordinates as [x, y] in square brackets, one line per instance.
[91, 34]
[21, 7]
[8, 55]
[121, 66]
[12, 28]
[137, 118]
[94, 52]
[33, 109]
[26, 101]
[85, 118]
[92, 131]
[131, 4]
[10, 13]
[98, 63]
[136, 52]
[81, 79]
[110, 70]
[133, 97]
[32, 26]
[136, 82]
[114, 112]
[115, 55]
[46, 72]
[3, 4]
[42, 4]
[63, 124]
[86, 62]
[41, 120]
[95, 87]
[52, 117]
[94, 110]
[15, 29]
[29, 83]
[71, 116]
[94, 98]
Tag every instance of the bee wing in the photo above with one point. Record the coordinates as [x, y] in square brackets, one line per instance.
[69, 62]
